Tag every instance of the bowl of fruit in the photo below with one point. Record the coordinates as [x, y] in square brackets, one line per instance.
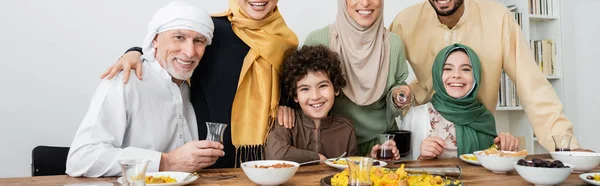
[543, 172]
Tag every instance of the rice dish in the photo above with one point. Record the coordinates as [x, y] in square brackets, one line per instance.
[386, 177]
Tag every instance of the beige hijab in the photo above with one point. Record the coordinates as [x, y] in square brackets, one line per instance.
[365, 54]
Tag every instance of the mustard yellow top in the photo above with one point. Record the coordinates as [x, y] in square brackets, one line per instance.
[488, 28]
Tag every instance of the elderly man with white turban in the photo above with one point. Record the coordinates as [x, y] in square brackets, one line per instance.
[151, 119]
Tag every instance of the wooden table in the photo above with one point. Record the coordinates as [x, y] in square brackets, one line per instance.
[312, 174]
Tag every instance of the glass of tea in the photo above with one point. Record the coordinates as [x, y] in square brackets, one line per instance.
[134, 172]
[562, 142]
[359, 169]
[385, 147]
[215, 131]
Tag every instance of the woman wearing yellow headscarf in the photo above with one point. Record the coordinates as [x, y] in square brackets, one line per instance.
[237, 80]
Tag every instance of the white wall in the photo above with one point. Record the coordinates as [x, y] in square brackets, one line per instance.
[581, 25]
[53, 52]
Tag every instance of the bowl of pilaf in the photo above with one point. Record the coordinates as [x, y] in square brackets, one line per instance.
[380, 176]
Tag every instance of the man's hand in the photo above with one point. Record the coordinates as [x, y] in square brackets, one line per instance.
[286, 116]
[131, 60]
[192, 156]
[507, 142]
[431, 148]
[402, 96]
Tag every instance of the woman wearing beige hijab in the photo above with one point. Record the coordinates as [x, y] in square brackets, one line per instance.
[374, 66]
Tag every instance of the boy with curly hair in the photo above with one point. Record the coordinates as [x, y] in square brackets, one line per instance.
[312, 76]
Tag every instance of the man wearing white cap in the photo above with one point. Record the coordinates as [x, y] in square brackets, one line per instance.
[151, 119]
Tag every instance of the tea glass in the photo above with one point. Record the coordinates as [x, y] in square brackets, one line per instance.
[385, 152]
[215, 131]
[562, 142]
[359, 169]
[134, 172]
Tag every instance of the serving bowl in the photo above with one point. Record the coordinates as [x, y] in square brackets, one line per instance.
[269, 176]
[543, 175]
[496, 163]
[581, 161]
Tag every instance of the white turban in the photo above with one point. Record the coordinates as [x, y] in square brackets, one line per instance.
[177, 15]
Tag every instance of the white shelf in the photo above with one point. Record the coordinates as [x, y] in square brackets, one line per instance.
[534, 17]
[534, 27]
[505, 108]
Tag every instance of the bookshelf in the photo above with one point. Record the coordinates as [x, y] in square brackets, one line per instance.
[541, 25]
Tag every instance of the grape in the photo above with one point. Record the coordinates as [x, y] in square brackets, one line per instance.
[559, 163]
[538, 162]
[549, 164]
[535, 162]
[522, 162]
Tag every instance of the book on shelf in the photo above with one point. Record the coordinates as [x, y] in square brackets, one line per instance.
[507, 95]
[541, 7]
[544, 52]
[518, 16]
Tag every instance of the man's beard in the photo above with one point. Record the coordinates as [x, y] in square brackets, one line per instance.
[178, 75]
[457, 5]
[170, 68]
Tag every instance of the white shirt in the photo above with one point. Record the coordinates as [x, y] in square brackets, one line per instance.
[420, 121]
[140, 119]
[417, 122]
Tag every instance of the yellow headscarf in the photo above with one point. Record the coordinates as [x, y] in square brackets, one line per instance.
[255, 104]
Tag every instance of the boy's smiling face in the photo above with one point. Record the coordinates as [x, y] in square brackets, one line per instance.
[315, 94]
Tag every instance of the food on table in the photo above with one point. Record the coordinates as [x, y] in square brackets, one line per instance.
[343, 162]
[493, 150]
[340, 162]
[595, 177]
[469, 157]
[275, 166]
[542, 163]
[159, 179]
[385, 177]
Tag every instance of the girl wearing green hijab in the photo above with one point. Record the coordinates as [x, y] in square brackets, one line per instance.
[458, 122]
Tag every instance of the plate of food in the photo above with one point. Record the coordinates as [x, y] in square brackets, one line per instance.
[470, 158]
[591, 178]
[385, 176]
[165, 178]
[342, 164]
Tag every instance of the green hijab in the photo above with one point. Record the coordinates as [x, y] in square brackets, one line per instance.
[475, 125]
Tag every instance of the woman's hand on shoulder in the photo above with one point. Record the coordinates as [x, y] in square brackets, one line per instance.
[130, 60]
[286, 116]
